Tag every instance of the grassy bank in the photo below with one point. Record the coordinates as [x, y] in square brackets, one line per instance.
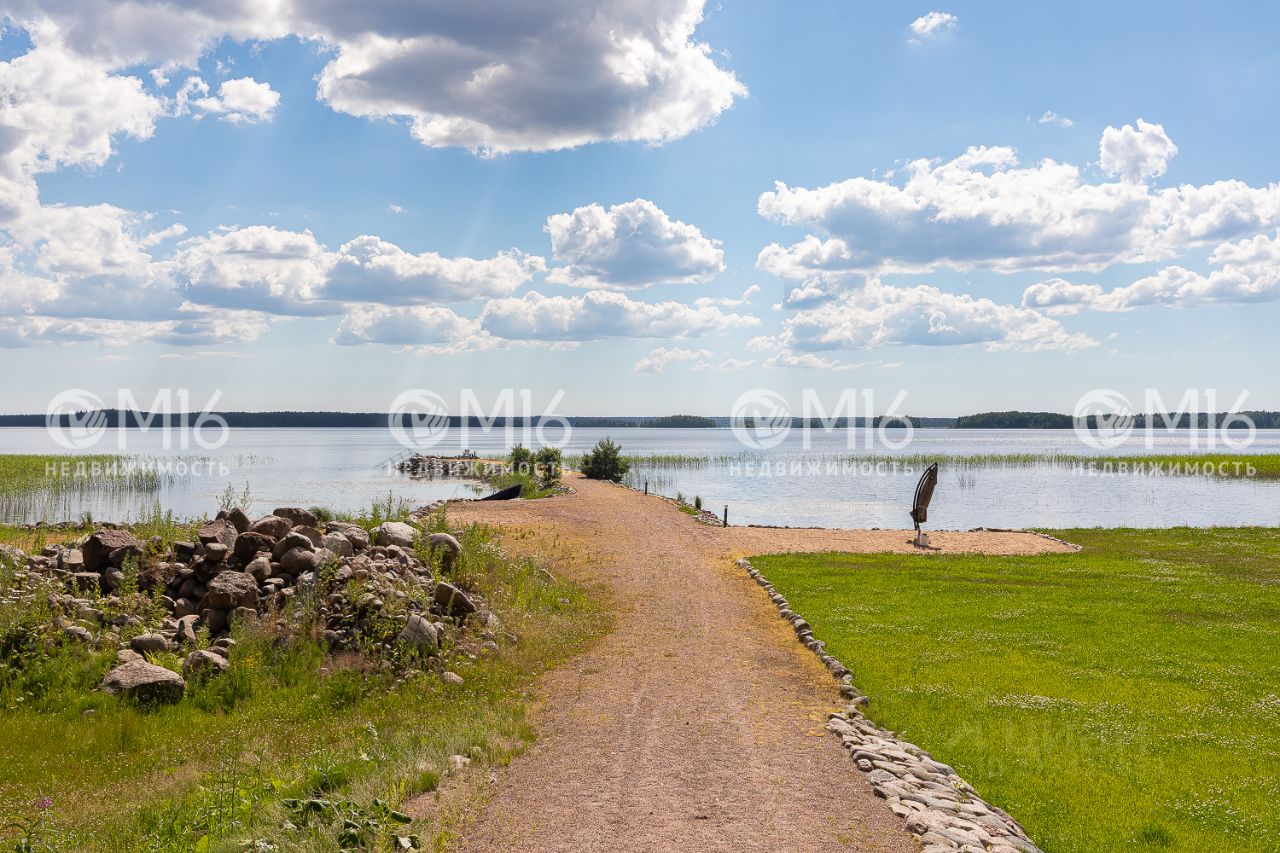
[1122, 698]
[286, 746]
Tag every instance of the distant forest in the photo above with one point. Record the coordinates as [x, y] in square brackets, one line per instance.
[1053, 420]
[374, 420]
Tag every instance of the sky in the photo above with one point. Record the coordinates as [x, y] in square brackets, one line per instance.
[650, 207]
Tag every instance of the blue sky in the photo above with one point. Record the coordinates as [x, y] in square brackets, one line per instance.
[189, 197]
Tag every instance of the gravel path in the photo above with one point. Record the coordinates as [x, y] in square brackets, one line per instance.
[697, 723]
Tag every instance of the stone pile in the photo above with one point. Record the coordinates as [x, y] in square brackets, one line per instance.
[938, 806]
[420, 465]
[365, 586]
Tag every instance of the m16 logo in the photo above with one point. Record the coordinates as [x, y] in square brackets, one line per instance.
[77, 419]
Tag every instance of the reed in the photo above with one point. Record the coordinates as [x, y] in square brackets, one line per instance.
[44, 488]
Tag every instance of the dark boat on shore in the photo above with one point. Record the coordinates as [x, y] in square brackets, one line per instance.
[507, 494]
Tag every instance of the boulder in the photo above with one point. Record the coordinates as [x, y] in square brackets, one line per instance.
[150, 643]
[297, 516]
[312, 534]
[355, 534]
[99, 547]
[452, 600]
[249, 545]
[215, 552]
[86, 581]
[127, 656]
[239, 520]
[297, 561]
[290, 541]
[220, 531]
[186, 635]
[259, 568]
[78, 634]
[120, 555]
[244, 615]
[144, 683]
[215, 619]
[450, 549]
[202, 664]
[184, 551]
[271, 525]
[419, 634]
[230, 590]
[338, 544]
[395, 533]
[71, 560]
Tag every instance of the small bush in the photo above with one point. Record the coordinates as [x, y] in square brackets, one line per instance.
[605, 462]
[521, 459]
[548, 462]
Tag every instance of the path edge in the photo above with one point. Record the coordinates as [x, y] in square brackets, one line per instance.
[936, 804]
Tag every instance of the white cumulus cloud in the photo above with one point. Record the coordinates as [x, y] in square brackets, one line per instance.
[1136, 153]
[601, 314]
[1050, 117]
[1247, 271]
[413, 326]
[931, 26]
[880, 315]
[485, 75]
[369, 269]
[240, 101]
[985, 210]
[630, 246]
[659, 359]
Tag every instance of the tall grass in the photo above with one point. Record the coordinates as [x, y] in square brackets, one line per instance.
[53, 488]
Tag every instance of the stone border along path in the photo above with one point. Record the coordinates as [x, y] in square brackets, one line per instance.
[696, 723]
[936, 803]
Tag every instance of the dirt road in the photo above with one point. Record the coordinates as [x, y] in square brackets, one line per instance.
[697, 723]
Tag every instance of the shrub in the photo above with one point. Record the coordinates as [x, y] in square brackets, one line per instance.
[605, 462]
[549, 463]
[521, 459]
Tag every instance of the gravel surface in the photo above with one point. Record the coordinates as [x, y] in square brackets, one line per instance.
[697, 723]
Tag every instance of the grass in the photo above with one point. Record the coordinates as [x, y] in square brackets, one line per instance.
[49, 487]
[151, 522]
[1122, 698]
[286, 723]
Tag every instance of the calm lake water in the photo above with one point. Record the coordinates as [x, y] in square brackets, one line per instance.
[347, 469]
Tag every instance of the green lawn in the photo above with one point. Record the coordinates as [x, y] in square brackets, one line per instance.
[1123, 698]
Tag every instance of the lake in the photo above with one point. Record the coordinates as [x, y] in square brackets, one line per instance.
[790, 484]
